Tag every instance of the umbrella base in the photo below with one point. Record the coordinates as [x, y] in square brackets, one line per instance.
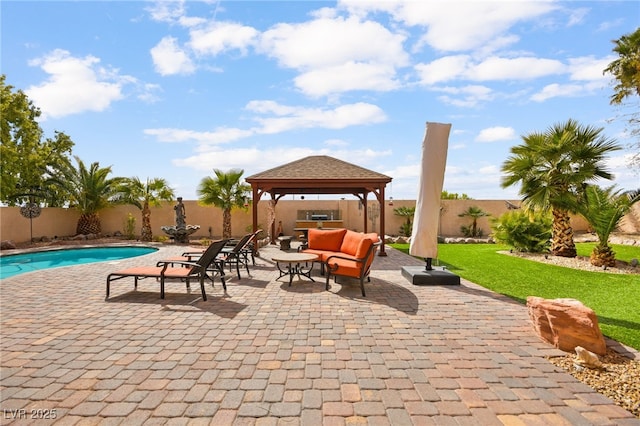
[417, 275]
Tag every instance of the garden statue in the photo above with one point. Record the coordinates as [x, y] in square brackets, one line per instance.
[180, 214]
[181, 231]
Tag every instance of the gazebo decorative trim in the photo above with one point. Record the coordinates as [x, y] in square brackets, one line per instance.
[324, 175]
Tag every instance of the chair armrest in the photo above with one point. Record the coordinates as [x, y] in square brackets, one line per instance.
[166, 263]
[353, 259]
[362, 260]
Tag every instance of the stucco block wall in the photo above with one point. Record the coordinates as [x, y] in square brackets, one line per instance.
[62, 222]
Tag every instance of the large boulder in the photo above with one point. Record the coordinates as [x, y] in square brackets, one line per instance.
[566, 323]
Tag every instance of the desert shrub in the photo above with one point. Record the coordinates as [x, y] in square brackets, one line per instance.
[405, 229]
[475, 213]
[407, 226]
[130, 227]
[527, 232]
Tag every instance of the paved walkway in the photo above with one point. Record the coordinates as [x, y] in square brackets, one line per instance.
[269, 354]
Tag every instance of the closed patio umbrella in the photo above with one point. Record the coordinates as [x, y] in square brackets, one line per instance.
[424, 235]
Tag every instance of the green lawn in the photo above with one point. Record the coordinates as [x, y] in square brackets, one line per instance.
[614, 297]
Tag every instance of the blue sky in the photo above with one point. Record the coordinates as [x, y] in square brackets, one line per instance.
[175, 89]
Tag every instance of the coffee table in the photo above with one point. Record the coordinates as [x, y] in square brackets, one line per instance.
[294, 265]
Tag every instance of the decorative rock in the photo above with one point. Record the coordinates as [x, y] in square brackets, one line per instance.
[7, 245]
[634, 262]
[566, 324]
[587, 358]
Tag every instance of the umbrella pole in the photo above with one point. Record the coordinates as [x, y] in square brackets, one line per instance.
[428, 266]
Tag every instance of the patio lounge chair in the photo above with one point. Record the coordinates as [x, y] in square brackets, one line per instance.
[250, 248]
[176, 269]
[236, 255]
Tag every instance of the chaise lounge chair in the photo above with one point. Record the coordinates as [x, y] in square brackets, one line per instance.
[177, 269]
[236, 255]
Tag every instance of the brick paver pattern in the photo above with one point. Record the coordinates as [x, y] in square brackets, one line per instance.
[265, 353]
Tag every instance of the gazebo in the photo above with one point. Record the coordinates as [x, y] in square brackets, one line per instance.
[320, 174]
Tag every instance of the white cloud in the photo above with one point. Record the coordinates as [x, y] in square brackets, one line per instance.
[465, 96]
[75, 85]
[523, 68]
[244, 158]
[336, 54]
[255, 159]
[566, 90]
[169, 58]
[458, 26]
[328, 42]
[148, 93]
[219, 37]
[343, 116]
[462, 67]
[479, 182]
[443, 69]
[589, 68]
[220, 135]
[280, 118]
[347, 77]
[495, 134]
[166, 11]
[336, 142]
[576, 16]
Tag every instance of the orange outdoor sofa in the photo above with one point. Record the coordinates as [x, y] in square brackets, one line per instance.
[343, 252]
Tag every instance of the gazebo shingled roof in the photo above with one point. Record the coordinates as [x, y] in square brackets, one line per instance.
[320, 174]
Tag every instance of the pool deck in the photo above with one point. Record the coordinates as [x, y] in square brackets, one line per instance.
[265, 353]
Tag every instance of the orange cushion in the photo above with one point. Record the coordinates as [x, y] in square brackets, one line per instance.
[350, 242]
[348, 268]
[325, 239]
[363, 247]
[322, 254]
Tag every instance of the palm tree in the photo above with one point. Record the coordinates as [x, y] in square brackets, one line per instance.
[225, 191]
[552, 169]
[143, 195]
[603, 209]
[626, 68]
[89, 190]
[475, 213]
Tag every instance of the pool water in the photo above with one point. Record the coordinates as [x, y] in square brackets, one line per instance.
[15, 264]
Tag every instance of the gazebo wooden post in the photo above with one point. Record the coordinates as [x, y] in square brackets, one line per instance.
[366, 214]
[380, 196]
[254, 211]
[272, 204]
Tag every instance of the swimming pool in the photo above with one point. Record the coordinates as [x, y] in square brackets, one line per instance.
[15, 264]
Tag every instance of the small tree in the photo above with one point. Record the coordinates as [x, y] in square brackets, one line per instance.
[407, 212]
[475, 213]
[625, 70]
[225, 191]
[446, 195]
[90, 190]
[603, 209]
[27, 159]
[526, 232]
[144, 195]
